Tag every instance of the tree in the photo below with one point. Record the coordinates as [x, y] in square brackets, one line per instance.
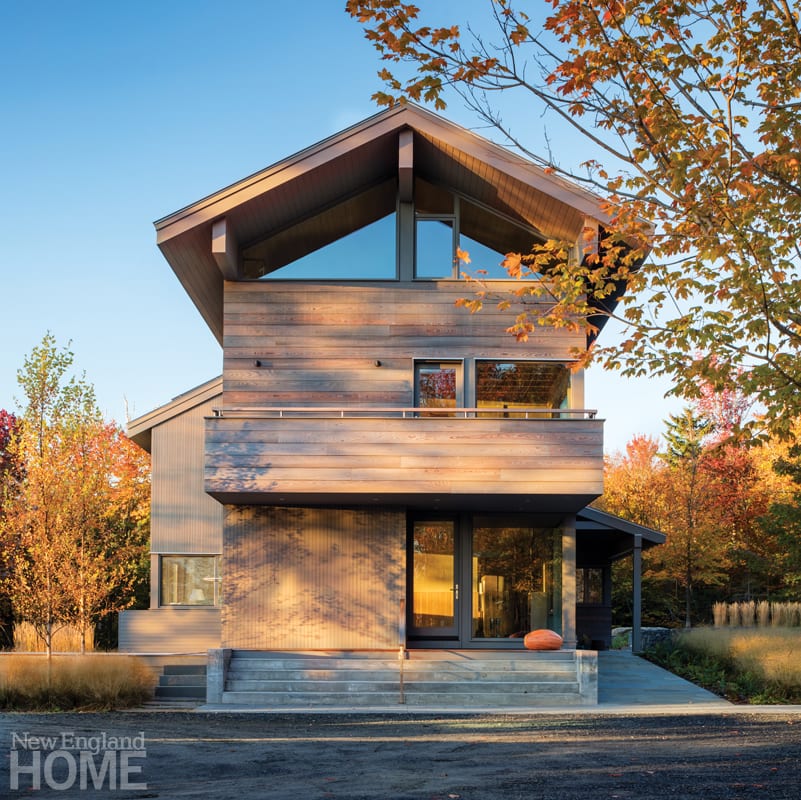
[695, 107]
[9, 472]
[71, 539]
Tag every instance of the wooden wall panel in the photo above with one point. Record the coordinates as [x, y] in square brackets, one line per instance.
[184, 519]
[300, 578]
[169, 630]
[480, 457]
[318, 342]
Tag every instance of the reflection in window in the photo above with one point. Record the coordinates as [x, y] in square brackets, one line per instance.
[436, 385]
[434, 247]
[364, 254]
[513, 581]
[590, 585]
[521, 384]
[190, 580]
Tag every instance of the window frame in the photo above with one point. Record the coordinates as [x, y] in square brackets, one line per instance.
[216, 580]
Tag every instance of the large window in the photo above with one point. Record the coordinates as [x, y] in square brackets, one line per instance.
[445, 222]
[364, 254]
[521, 384]
[190, 581]
[513, 579]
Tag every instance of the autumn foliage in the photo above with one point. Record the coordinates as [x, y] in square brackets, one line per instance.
[689, 113]
[75, 512]
[716, 497]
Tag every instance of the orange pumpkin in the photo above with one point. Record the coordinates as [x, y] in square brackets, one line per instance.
[542, 639]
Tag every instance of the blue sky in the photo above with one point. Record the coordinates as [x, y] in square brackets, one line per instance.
[116, 114]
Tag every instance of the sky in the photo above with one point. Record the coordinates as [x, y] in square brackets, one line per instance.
[117, 114]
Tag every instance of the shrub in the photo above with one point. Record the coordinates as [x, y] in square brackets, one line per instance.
[92, 682]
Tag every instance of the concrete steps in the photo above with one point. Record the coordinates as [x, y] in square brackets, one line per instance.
[470, 679]
[182, 682]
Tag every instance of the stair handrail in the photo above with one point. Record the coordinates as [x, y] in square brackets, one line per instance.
[401, 649]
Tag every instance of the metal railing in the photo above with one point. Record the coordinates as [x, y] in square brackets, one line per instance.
[417, 412]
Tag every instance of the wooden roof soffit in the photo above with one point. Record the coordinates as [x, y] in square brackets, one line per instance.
[406, 166]
[224, 249]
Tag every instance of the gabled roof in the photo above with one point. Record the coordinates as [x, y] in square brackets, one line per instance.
[140, 429]
[356, 163]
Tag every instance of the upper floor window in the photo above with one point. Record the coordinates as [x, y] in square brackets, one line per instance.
[521, 384]
[365, 254]
[445, 222]
[438, 384]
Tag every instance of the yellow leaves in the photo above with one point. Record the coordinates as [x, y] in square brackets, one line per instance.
[462, 255]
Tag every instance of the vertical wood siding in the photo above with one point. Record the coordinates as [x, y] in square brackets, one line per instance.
[302, 578]
[184, 519]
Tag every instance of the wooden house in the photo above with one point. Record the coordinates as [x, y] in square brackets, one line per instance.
[377, 467]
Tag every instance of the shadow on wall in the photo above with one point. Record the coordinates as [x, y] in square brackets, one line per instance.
[312, 578]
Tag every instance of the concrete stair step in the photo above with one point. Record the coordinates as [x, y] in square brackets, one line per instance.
[182, 680]
[348, 699]
[185, 669]
[364, 687]
[410, 672]
[180, 692]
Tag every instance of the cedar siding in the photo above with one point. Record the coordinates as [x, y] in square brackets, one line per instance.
[351, 348]
[312, 578]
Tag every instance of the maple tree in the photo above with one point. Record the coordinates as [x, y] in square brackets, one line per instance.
[73, 531]
[694, 107]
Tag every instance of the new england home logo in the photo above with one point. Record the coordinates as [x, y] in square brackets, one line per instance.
[70, 761]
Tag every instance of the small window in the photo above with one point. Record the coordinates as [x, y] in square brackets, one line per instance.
[190, 581]
[438, 385]
[590, 585]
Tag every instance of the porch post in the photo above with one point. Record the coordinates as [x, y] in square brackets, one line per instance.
[636, 622]
[569, 581]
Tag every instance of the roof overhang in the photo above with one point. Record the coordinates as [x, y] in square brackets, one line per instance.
[139, 430]
[603, 537]
[204, 241]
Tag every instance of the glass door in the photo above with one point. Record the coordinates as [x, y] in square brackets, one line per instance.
[433, 589]
[512, 580]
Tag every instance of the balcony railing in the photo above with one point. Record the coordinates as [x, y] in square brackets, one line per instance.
[321, 412]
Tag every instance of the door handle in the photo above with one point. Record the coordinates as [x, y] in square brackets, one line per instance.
[456, 591]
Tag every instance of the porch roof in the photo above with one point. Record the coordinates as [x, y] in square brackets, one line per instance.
[603, 537]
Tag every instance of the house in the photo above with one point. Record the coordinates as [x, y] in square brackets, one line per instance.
[376, 466]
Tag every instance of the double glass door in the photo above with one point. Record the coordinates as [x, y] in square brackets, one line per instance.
[477, 581]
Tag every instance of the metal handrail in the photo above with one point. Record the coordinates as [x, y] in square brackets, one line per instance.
[416, 412]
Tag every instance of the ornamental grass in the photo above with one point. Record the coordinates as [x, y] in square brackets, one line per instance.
[90, 682]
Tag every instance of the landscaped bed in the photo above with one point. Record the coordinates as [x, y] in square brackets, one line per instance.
[91, 682]
[744, 665]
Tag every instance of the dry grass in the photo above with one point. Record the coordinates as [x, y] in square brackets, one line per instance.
[65, 640]
[81, 682]
[769, 656]
[748, 613]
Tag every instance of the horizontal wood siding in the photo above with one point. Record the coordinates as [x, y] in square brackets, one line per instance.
[169, 630]
[184, 519]
[318, 342]
[312, 578]
[268, 458]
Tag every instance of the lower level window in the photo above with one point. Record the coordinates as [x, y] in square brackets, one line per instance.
[590, 585]
[190, 580]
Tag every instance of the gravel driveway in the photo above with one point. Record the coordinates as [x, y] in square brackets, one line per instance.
[419, 757]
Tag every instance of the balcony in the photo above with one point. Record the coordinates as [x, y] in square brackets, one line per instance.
[532, 460]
